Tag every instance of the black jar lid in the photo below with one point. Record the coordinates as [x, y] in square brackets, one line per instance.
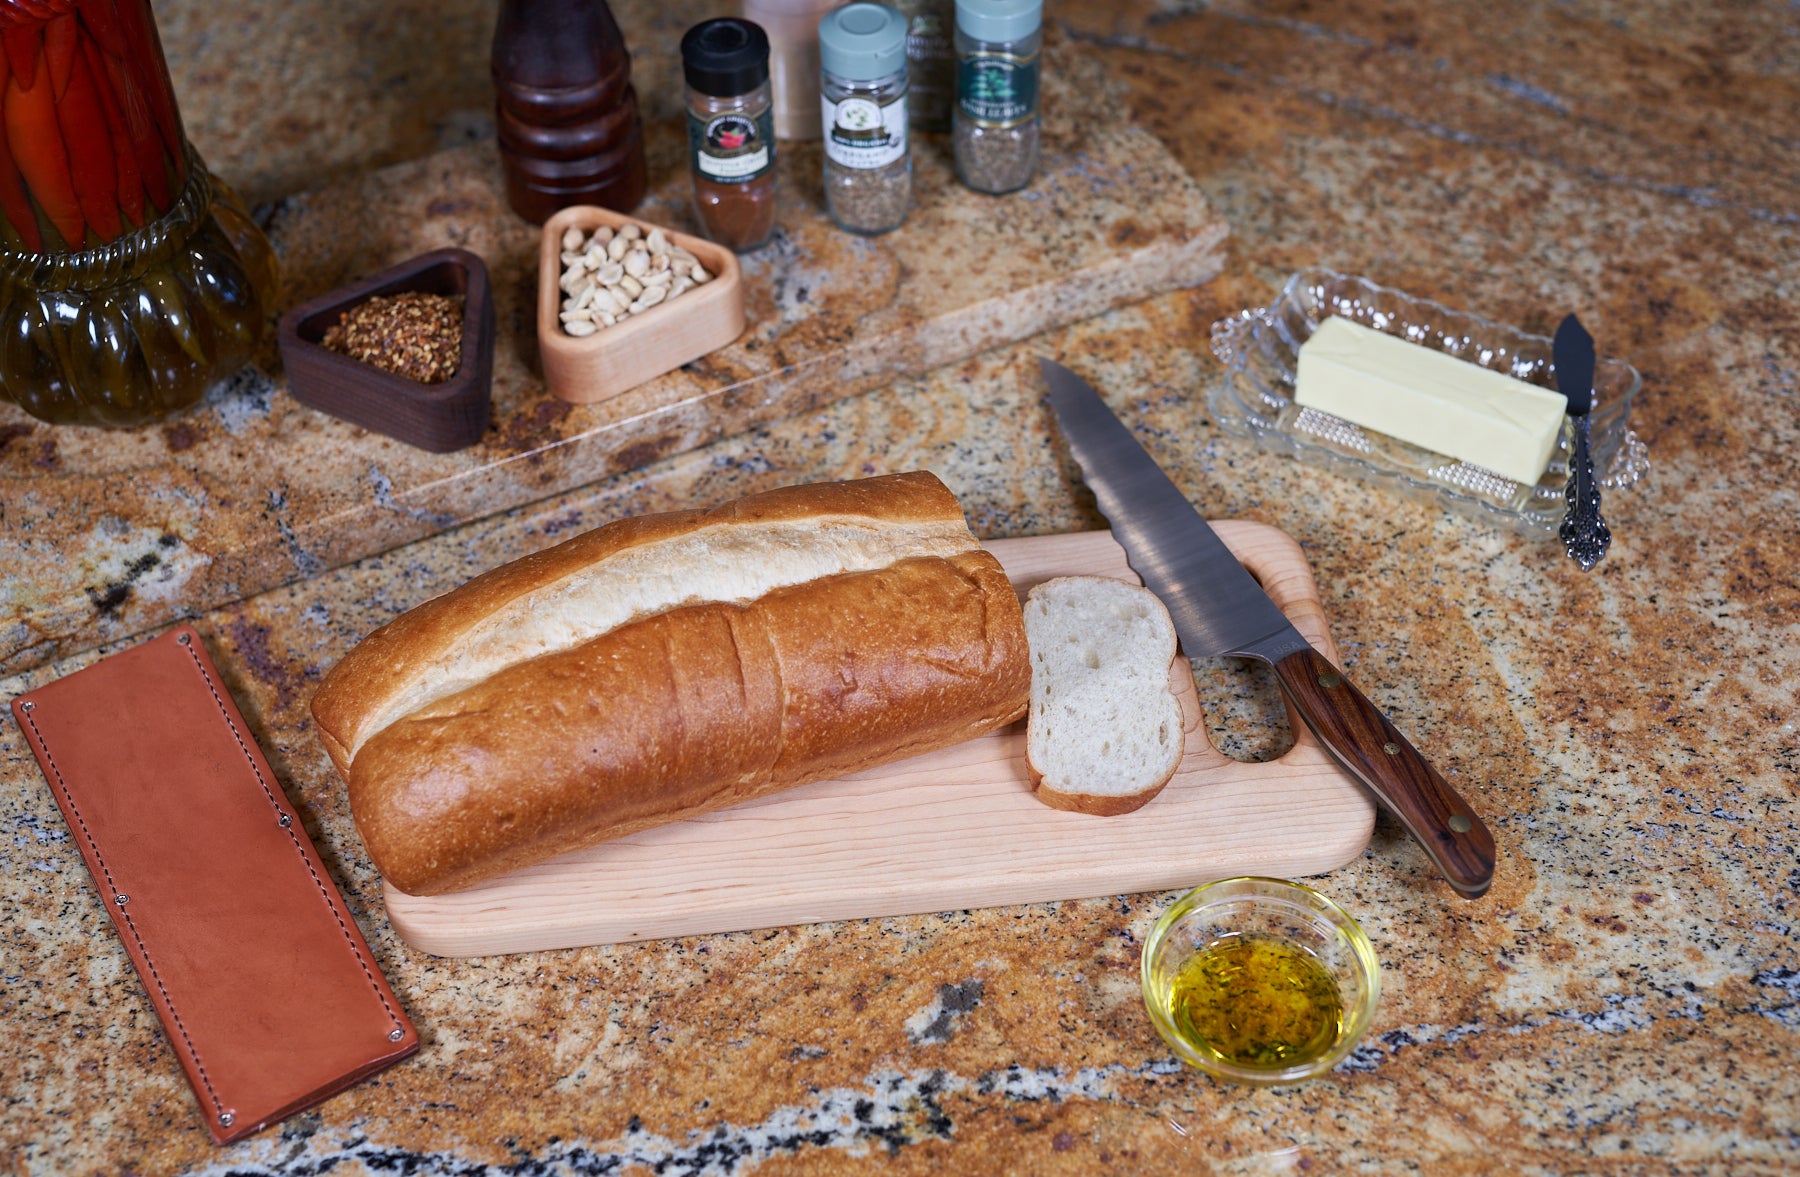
[725, 57]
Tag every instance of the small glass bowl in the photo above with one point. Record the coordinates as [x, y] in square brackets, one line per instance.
[1268, 907]
[1260, 349]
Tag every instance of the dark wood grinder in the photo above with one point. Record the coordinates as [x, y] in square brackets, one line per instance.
[567, 116]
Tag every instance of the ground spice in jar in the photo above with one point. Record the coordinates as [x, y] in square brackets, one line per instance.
[872, 203]
[414, 335]
[996, 161]
[862, 84]
[995, 124]
[731, 131]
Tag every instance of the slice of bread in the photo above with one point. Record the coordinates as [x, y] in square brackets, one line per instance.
[1104, 732]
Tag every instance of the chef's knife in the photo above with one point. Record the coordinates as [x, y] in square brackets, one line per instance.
[1219, 609]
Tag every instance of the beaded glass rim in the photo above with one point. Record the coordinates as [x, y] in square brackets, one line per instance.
[1260, 350]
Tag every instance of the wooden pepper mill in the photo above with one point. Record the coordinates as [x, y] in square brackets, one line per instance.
[567, 116]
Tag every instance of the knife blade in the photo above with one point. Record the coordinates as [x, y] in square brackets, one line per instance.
[1219, 609]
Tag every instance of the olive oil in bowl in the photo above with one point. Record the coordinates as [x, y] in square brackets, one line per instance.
[1257, 1001]
[1259, 980]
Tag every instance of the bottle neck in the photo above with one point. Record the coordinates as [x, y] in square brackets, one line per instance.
[132, 252]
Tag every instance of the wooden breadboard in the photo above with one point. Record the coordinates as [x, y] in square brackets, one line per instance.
[952, 829]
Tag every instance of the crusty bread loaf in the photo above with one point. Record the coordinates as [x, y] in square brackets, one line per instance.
[1104, 733]
[663, 666]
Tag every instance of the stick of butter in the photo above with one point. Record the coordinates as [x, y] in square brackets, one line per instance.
[1430, 399]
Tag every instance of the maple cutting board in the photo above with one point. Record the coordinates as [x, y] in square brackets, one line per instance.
[952, 829]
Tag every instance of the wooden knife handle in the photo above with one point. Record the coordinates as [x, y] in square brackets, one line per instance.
[1362, 739]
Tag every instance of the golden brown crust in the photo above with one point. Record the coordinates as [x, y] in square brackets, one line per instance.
[1093, 803]
[690, 710]
[371, 686]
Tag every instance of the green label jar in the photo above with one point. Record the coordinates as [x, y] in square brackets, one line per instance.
[995, 126]
[998, 89]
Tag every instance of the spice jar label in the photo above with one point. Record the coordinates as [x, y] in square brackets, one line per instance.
[861, 134]
[997, 89]
[732, 148]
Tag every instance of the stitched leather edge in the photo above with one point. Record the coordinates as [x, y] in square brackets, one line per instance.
[119, 913]
[185, 639]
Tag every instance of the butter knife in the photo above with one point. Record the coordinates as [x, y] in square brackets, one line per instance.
[1584, 533]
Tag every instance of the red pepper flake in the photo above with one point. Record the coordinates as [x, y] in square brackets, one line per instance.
[413, 335]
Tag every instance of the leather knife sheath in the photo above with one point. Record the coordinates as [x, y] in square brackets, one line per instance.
[266, 989]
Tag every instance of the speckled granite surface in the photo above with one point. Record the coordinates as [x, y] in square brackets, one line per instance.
[1627, 998]
[254, 489]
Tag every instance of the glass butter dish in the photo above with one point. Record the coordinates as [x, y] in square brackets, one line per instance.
[1260, 350]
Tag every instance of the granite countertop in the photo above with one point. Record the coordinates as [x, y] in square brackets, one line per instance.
[1625, 1000]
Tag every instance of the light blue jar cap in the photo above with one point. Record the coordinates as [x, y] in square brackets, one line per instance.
[999, 20]
[862, 42]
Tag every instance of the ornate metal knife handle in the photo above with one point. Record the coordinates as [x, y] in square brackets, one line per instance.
[1584, 533]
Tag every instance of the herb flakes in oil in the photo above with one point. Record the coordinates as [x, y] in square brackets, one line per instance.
[1257, 1001]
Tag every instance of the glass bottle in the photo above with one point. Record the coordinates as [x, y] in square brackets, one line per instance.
[131, 280]
[995, 124]
[731, 131]
[566, 115]
[930, 63]
[862, 106]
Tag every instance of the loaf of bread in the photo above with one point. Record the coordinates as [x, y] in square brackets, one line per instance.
[1104, 733]
[663, 666]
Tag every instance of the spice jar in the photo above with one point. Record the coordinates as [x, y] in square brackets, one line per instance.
[995, 122]
[862, 91]
[930, 63]
[731, 131]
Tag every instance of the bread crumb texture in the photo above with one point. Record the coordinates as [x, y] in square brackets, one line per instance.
[1104, 733]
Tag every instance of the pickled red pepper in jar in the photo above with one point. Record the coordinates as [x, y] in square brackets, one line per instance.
[731, 131]
[131, 279]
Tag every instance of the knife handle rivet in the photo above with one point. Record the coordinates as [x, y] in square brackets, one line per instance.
[1330, 681]
[1461, 824]
[1391, 748]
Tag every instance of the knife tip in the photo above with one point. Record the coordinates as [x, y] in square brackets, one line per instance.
[1571, 327]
